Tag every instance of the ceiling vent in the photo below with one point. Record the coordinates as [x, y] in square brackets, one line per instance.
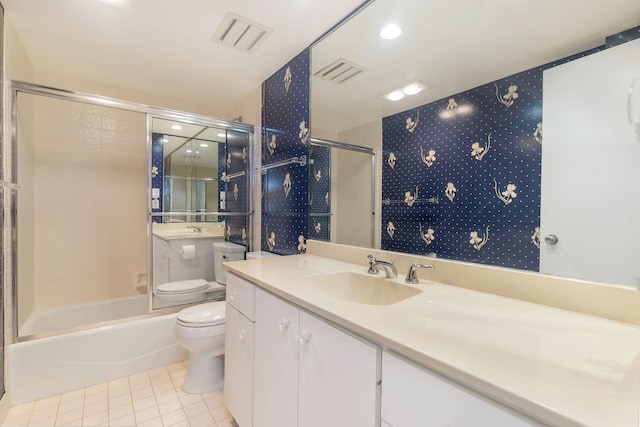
[340, 71]
[240, 33]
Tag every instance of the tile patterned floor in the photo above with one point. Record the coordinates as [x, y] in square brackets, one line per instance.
[149, 399]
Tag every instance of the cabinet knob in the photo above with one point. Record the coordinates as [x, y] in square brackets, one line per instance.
[551, 239]
[242, 334]
[283, 324]
[233, 295]
[305, 337]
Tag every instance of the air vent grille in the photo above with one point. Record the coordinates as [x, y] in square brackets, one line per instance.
[340, 71]
[240, 33]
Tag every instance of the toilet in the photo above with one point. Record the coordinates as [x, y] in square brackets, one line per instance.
[200, 330]
[186, 292]
[223, 252]
[197, 290]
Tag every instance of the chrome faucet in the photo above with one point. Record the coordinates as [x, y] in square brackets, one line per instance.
[389, 269]
[412, 277]
[196, 228]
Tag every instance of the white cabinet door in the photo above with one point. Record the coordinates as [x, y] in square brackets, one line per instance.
[276, 364]
[238, 367]
[160, 261]
[590, 172]
[414, 396]
[338, 384]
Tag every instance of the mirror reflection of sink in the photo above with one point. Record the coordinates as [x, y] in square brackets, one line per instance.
[186, 234]
[359, 288]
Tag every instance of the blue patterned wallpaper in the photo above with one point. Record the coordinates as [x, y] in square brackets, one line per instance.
[462, 175]
[285, 121]
[157, 170]
[236, 190]
[319, 192]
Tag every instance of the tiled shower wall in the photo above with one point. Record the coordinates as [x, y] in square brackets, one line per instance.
[83, 171]
[285, 121]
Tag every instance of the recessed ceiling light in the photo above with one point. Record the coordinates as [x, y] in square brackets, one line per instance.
[176, 127]
[203, 145]
[414, 88]
[165, 140]
[390, 32]
[396, 95]
[188, 151]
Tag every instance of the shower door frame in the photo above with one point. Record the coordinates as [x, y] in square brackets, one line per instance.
[9, 151]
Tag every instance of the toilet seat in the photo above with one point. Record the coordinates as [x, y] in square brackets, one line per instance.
[182, 287]
[202, 315]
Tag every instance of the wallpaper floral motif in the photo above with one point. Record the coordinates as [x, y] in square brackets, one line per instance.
[285, 120]
[319, 189]
[236, 191]
[462, 175]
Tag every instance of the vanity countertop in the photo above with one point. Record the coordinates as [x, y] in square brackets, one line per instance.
[558, 367]
[170, 235]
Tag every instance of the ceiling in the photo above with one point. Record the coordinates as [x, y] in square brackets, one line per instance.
[164, 46]
[453, 46]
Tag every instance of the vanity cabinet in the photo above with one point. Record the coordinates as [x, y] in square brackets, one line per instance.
[309, 373]
[415, 396]
[239, 349]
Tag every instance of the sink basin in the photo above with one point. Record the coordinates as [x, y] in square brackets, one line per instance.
[185, 234]
[359, 288]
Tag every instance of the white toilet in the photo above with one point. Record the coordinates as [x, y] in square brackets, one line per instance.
[195, 290]
[186, 292]
[200, 329]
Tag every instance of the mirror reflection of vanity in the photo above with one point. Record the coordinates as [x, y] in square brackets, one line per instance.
[198, 199]
[460, 161]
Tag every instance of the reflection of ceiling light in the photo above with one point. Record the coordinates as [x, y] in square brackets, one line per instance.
[176, 127]
[222, 135]
[414, 88]
[188, 151]
[396, 95]
[410, 89]
[390, 32]
[203, 145]
[165, 140]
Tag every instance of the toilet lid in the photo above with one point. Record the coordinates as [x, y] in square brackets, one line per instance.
[182, 287]
[211, 313]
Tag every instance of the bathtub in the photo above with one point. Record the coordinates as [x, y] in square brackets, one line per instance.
[48, 366]
[59, 318]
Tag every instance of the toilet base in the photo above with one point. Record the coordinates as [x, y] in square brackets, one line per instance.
[205, 373]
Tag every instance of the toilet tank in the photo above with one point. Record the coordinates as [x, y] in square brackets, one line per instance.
[223, 252]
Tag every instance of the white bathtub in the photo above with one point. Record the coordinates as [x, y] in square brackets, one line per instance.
[53, 365]
[59, 318]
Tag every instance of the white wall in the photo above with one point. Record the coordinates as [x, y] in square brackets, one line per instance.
[351, 187]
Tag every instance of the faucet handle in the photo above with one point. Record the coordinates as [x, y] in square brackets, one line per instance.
[412, 277]
[373, 268]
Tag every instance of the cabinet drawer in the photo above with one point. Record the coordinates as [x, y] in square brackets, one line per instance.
[241, 295]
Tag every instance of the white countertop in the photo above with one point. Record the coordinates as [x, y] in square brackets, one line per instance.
[169, 235]
[558, 367]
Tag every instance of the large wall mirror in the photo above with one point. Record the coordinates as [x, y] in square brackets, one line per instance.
[199, 200]
[463, 162]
